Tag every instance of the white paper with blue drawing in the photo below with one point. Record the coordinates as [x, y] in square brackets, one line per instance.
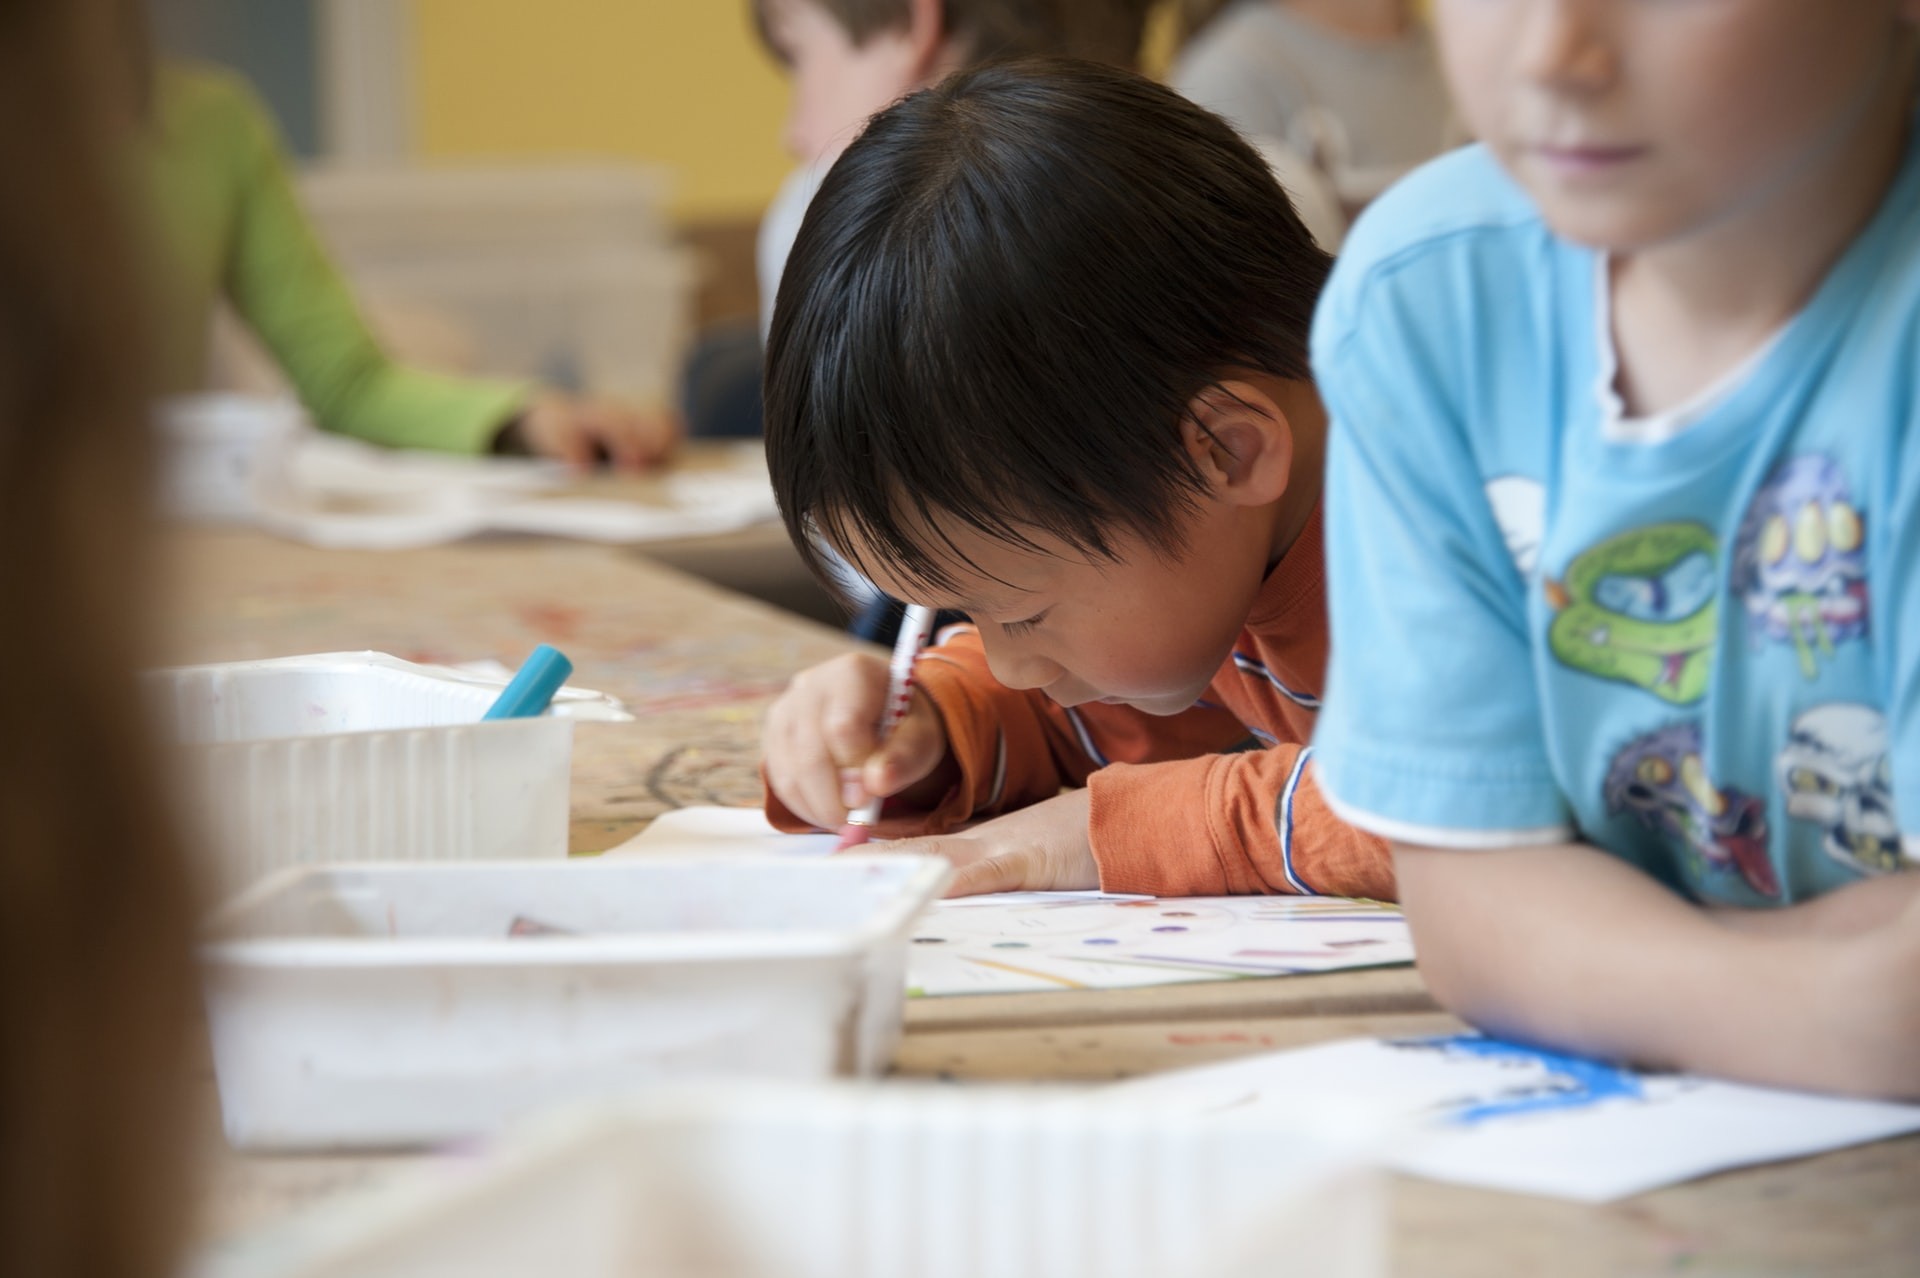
[1502, 1116]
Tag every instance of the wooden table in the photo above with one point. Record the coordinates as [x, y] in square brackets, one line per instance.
[698, 666]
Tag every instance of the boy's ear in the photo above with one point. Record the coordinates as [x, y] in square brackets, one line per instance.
[927, 35]
[1240, 438]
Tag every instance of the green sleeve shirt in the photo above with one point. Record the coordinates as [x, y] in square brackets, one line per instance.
[228, 223]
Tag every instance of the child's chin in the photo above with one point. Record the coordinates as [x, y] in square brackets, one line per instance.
[1162, 706]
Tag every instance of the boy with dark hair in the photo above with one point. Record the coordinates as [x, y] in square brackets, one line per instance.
[1040, 357]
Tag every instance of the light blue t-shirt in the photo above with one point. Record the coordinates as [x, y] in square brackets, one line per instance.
[1694, 642]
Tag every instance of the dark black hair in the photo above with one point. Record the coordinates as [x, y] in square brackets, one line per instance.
[1002, 302]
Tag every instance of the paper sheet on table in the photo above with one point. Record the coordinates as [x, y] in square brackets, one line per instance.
[255, 460]
[1502, 1116]
[343, 494]
[1020, 942]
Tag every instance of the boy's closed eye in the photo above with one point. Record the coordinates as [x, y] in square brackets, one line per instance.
[1024, 627]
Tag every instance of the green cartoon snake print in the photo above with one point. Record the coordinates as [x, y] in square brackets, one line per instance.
[1642, 608]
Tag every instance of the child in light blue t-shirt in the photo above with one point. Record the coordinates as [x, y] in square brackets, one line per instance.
[1624, 535]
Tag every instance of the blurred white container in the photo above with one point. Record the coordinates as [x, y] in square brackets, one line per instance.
[387, 216]
[214, 449]
[363, 757]
[387, 1005]
[894, 1181]
[564, 273]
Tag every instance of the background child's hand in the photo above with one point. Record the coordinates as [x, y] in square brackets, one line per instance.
[580, 431]
[1043, 848]
[822, 753]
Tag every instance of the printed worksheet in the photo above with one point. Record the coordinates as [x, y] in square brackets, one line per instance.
[1031, 941]
[1072, 940]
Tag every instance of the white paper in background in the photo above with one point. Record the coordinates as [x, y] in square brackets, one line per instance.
[1021, 942]
[1502, 1116]
[255, 460]
[345, 494]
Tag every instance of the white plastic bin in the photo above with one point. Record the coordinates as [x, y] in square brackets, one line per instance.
[362, 757]
[384, 1005]
[566, 273]
[382, 215]
[894, 1181]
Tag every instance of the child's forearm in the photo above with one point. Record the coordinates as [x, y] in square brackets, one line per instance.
[1571, 947]
[1871, 903]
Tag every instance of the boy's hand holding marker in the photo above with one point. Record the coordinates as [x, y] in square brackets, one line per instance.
[825, 758]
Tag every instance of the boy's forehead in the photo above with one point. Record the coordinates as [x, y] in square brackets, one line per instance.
[977, 573]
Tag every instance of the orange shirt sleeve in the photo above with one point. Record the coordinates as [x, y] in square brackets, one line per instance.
[1253, 822]
[1017, 748]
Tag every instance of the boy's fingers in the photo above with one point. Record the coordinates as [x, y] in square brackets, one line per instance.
[915, 749]
[629, 438]
[847, 732]
[1004, 873]
[804, 778]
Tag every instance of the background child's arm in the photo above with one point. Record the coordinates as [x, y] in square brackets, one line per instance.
[1568, 946]
[284, 285]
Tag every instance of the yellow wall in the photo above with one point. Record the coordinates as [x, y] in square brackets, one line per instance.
[683, 83]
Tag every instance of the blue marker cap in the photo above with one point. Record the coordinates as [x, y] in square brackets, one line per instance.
[527, 696]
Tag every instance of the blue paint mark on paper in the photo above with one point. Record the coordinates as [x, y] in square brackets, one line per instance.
[1572, 1082]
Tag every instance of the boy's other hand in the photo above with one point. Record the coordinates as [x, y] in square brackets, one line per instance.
[823, 755]
[582, 431]
[1043, 848]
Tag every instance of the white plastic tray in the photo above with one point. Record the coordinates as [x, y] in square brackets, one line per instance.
[387, 1005]
[891, 1181]
[363, 757]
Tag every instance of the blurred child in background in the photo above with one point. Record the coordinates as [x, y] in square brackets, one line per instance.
[226, 222]
[1353, 86]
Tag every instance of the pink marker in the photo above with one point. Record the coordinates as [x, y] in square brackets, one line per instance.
[916, 627]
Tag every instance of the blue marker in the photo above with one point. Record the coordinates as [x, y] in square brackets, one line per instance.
[527, 696]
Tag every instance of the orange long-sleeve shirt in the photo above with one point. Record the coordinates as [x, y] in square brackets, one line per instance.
[1172, 814]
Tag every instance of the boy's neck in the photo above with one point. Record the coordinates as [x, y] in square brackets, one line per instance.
[1355, 19]
[1687, 312]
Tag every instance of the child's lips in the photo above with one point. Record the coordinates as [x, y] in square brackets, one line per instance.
[1580, 159]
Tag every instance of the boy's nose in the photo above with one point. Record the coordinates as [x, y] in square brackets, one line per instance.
[1567, 45]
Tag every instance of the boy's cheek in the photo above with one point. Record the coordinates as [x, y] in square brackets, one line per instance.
[836, 92]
